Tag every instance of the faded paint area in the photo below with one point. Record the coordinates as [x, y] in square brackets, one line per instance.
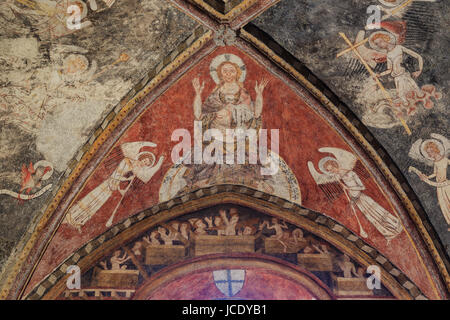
[57, 85]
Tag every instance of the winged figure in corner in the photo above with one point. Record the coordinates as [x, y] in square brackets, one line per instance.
[134, 165]
[434, 153]
[342, 174]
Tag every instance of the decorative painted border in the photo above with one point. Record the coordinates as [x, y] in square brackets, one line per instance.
[184, 51]
[362, 135]
[228, 17]
[314, 222]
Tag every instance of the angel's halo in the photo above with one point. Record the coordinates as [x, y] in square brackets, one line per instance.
[150, 154]
[438, 144]
[373, 45]
[322, 164]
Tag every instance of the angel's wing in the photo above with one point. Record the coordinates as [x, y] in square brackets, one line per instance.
[347, 160]
[327, 183]
[402, 9]
[376, 60]
[415, 153]
[420, 17]
[361, 171]
[132, 150]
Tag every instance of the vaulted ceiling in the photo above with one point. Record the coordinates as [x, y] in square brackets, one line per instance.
[69, 96]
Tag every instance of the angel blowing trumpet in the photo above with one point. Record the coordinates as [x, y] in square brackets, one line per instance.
[134, 164]
[341, 174]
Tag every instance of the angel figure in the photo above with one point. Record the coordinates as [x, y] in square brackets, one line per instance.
[434, 152]
[341, 174]
[136, 165]
[32, 178]
[386, 54]
[389, 42]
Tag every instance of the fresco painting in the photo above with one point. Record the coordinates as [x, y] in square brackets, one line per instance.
[218, 230]
[381, 226]
[62, 87]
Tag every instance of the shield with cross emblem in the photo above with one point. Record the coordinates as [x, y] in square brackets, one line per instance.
[229, 282]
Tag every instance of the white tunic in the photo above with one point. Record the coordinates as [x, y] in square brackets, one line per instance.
[84, 209]
[386, 223]
[442, 185]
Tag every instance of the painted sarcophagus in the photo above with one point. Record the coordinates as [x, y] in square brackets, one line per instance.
[351, 287]
[115, 278]
[315, 262]
[164, 254]
[206, 244]
[272, 245]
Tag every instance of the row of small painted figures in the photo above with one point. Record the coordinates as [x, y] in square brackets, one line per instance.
[226, 224]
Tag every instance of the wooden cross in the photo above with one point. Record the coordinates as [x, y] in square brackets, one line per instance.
[386, 94]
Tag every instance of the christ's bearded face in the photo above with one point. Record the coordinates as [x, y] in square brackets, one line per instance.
[229, 73]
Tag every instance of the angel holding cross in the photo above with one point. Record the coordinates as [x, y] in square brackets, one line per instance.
[384, 59]
[341, 174]
[136, 164]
